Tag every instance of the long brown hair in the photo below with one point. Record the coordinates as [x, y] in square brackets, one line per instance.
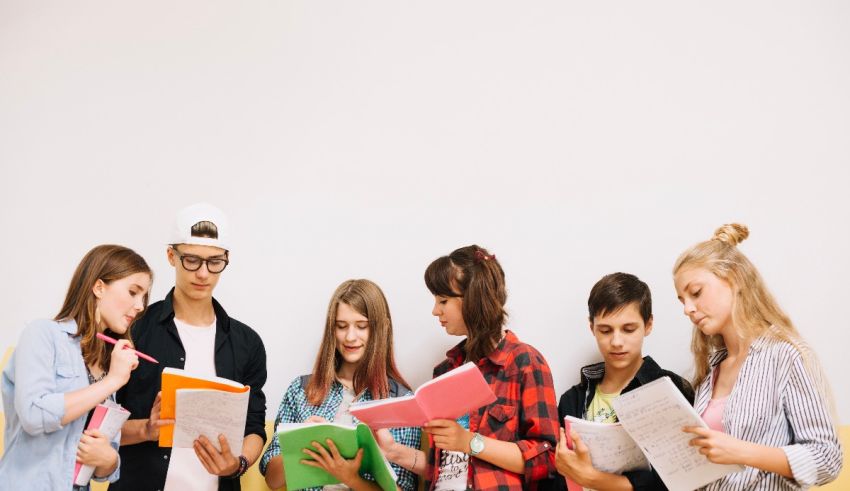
[378, 362]
[476, 276]
[106, 263]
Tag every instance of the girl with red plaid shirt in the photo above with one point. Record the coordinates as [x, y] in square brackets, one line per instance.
[510, 443]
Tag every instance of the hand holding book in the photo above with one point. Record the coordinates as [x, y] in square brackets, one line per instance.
[331, 453]
[572, 459]
[94, 449]
[346, 471]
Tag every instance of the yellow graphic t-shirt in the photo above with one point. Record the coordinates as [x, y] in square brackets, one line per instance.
[600, 409]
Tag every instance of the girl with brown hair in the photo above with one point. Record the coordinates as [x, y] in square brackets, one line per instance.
[61, 370]
[355, 363]
[509, 444]
[758, 384]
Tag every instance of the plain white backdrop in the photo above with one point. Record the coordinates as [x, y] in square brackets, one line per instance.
[365, 139]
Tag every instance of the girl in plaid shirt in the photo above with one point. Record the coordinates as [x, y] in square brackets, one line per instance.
[509, 444]
[355, 363]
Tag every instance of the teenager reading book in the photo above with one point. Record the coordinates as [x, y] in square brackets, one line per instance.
[61, 371]
[759, 385]
[355, 363]
[508, 444]
[620, 317]
[190, 330]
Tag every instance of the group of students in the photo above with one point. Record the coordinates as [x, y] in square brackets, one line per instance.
[758, 385]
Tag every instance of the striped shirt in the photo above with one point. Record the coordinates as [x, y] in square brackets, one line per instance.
[775, 403]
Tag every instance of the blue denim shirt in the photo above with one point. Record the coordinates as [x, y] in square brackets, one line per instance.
[40, 453]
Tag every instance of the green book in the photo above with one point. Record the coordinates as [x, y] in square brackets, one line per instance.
[295, 437]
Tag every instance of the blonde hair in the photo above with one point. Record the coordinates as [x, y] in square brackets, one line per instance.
[755, 312]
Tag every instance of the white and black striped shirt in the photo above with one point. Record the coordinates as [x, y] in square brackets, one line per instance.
[775, 402]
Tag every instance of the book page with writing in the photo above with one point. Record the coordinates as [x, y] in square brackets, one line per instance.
[611, 448]
[108, 419]
[654, 416]
[176, 378]
[210, 413]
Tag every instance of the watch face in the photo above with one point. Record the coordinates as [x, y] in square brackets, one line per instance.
[476, 445]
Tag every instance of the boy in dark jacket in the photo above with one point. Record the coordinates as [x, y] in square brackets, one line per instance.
[620, 309]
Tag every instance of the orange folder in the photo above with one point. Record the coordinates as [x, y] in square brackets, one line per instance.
[175, 378]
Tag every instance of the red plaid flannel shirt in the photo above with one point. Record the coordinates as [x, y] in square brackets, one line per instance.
[524, 412]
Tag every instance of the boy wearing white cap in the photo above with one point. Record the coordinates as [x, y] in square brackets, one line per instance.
[190, 330]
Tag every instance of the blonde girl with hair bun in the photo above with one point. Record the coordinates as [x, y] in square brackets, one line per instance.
[759, 386]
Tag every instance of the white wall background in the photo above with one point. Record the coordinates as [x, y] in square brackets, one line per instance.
[365, 139]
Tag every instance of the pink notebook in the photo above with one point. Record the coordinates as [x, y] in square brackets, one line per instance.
[108, 418]
[448, 396]
[571, 485]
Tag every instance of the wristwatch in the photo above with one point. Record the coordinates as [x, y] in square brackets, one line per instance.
[476, 445]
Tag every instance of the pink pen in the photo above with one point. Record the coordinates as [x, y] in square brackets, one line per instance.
[141, 355]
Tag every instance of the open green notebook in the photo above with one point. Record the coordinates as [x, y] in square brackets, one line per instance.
[294, 437]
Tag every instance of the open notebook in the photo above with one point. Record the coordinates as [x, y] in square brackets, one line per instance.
[448, 396]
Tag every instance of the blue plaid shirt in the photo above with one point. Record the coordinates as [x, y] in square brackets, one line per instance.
[294, 408]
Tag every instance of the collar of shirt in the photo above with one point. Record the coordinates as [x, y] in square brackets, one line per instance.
[69, 326]
[499, 356]
[757, 345]
[647, 372]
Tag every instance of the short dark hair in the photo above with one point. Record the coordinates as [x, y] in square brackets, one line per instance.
[205, 229]
[615, 291]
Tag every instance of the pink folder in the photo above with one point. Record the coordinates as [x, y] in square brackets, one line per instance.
[448, 396]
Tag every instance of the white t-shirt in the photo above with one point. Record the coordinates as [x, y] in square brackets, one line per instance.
[454, 471]
[454, 466]
[185, 471]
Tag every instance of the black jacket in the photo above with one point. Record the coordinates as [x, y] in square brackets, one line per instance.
[239, 355]
[575, 402]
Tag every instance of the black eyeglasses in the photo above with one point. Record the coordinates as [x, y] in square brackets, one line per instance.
[191, 262]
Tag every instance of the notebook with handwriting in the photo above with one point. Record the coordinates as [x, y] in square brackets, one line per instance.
[654, 415]
[176, 378]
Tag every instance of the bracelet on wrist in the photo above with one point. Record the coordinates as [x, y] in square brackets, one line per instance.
[242, 469]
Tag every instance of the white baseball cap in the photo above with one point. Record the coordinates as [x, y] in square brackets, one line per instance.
[192, 215]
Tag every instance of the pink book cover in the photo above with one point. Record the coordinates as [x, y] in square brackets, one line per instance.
[108, 418]
[448, 396]
[571, 485]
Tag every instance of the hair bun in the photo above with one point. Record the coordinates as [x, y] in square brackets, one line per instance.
[732, 233]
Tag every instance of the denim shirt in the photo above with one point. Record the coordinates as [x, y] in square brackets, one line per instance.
[294, 408]
[40, 453]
